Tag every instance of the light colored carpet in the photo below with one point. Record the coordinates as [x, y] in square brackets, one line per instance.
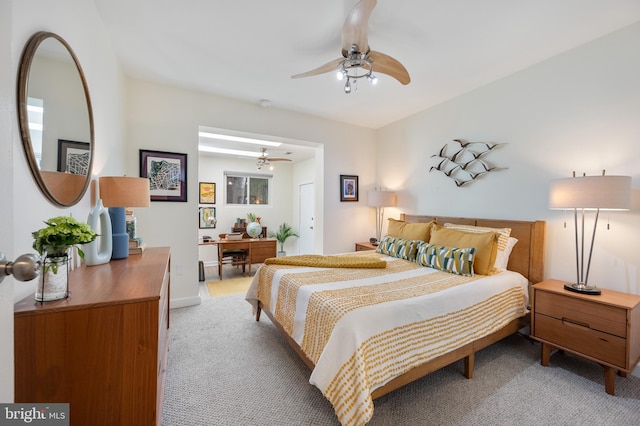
[231, 286]
[224, 368]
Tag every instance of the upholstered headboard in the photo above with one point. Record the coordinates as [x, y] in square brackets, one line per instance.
[527, 257]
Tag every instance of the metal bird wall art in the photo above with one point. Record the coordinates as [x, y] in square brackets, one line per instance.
[463, 161]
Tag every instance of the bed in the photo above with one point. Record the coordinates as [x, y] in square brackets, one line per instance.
[365, 330]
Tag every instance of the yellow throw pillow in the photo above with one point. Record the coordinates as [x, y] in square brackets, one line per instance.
[409, 231]
[502, 257]
[486, 245]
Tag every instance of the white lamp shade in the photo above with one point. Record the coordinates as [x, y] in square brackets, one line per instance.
[381, 199]
[591, 192]
[124, 191]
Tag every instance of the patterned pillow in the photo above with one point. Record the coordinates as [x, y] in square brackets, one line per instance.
[398, 247]
[450, 259]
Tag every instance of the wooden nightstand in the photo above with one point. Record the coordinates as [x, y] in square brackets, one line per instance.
[366, 245]
[604, 328]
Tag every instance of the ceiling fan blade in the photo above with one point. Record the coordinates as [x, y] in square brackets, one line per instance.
[385, 64]
[354, 29]
[279, 159]
[328, 67]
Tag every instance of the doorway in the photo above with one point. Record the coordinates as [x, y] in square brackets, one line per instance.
[306, 194]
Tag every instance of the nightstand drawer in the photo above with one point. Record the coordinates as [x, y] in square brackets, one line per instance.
[591, 314]
[584, 340]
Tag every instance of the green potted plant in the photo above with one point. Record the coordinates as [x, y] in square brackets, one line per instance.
[60, 234]
[282, 234]
[53, 243]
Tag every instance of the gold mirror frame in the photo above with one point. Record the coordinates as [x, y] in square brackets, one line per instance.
[62, 189]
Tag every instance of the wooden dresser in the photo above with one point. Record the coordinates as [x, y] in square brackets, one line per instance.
[103, 350]
[604, 328]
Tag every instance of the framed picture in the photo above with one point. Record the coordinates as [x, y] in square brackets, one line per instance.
[207, 217]
[73, 157]
[348, 188]
[207, 193]
[167, 174]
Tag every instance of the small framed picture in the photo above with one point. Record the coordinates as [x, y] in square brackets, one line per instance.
[348, 188]
[207, 217]
[167, 174]
[207, 193]
[73, 157]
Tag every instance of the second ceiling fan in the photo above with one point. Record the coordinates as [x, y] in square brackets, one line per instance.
[265, 160]
[358, 60]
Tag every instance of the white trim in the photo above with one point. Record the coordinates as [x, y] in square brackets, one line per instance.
[183, 302]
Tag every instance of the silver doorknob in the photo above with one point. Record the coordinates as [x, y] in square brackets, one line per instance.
[25, 268]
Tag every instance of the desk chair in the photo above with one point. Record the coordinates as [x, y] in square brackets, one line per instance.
[235, 257]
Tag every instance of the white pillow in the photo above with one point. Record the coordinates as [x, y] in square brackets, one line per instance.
[502, 258]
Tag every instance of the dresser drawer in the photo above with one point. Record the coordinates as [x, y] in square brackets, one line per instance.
[586, 341]
[591, 314]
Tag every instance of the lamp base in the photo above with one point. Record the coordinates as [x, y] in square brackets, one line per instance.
[119, 236]
[581, 288]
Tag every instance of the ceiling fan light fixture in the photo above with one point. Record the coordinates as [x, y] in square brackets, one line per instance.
[356, 66]
[347, 86]
[357, 57]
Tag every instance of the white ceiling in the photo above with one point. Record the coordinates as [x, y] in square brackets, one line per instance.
[249, 49]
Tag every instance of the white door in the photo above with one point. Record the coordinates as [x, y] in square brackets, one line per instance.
[306, 225]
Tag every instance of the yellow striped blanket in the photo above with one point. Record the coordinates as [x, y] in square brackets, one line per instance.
[319, 261]
[364, 327]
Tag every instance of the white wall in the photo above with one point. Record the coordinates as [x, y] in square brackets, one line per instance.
[166, 118]
[7, 153]
[77, 22]
[577, 111]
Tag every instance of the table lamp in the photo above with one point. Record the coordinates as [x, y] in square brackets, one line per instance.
[380, 200]
[118, 193]
[588, 193]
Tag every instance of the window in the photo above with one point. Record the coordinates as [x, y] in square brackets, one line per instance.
[35, 112]
[247, 188]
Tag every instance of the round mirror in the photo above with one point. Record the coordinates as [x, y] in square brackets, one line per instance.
[56, 120]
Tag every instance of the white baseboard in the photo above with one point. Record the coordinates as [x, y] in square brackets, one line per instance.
[183, 302]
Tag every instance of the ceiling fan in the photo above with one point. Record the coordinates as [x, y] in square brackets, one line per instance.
[358, 59]
[265, 160]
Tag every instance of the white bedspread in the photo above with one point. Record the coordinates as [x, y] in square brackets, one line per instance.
[364, 328]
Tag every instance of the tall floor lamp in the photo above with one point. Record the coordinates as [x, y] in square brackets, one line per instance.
[588, 193]
[117, 193]
[380, 200]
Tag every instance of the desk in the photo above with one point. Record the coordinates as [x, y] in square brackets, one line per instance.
[258, 249]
